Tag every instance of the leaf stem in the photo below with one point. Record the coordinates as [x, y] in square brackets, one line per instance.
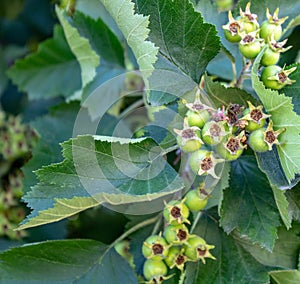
[182, 277]
[199, 214]
[129, 232]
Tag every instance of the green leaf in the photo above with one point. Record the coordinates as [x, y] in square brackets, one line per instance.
[68, 261]
[233, 263]
[248, 204]
[184, 39]
[221, 65]
[222, 96]
[135, 29]
[282, 205]
[293, 197]
[286, 276]
[49, 72]
[103, 169]
[293, 90]
[80, 46]
[283, 116]
[269, 163]
[292, 24]
[285, 252]
[52, 132]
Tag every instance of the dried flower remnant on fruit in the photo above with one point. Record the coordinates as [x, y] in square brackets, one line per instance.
[274, 19]
[283, 76]
[271, 136]
[175, 212]
[157, 249]
[233, 112]
[206, 164]
[182, 235]
[232, 26]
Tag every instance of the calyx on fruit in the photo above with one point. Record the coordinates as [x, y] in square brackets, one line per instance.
[188, 138]
[176, 212]
[255, 117]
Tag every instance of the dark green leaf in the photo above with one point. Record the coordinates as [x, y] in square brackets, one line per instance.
[248, 204]
[180, 33]
[49, 72]
[71, 261]
[285, 252]
[222, 96]
[52, 132]
[293, 197]
[233, 263]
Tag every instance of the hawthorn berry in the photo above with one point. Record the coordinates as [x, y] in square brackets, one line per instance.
[155, 270]
[197, 248]
[203, 162]
[249, 45]
[255, 117]
[176, 234]
[275, 77]
[214, 132]
[232, 29]
[232, 147]
[263, 139]
[272, 26]
[188, 138]
[155, 247]
[176, 212]
[176, 258]
[195, 200]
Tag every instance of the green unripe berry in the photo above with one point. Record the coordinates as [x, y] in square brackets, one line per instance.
[257, 142]
[155, 270]
[195, 201]
[176, 234]
[155, 247]
[176, 212]
[197, 118]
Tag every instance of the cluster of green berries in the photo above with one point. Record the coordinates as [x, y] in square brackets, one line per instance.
[214, 136]
[251, 37]
[16, 143]
[176, 246]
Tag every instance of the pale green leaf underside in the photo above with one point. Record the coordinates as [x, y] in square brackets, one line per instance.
[283, 116]
[135, 29]
[100, 170]
[80, 46]
[286, 276]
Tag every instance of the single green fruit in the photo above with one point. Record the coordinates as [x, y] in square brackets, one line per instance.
[213, 132]
[249, 49]
[257, 142]
[270, 57]
[176, 212]
[155, 270]
[195, 201]
[155, 247]
[176, 234]
[267, 29]
[190, 144]
[196, 248]
[197, 118]
[275, 77]
[176, 258]
[231, 149]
